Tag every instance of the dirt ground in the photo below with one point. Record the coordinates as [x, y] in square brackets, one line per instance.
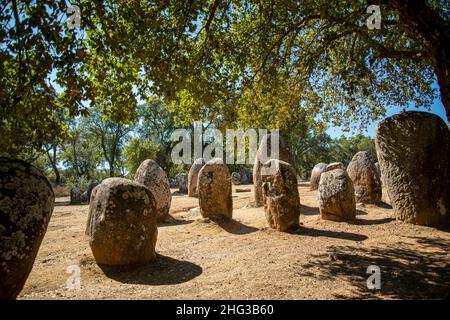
[244, 259]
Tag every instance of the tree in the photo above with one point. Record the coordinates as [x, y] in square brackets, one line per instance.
[136, 151]
[243, 63]
[345, 148]
[81, 153]
[112, 137]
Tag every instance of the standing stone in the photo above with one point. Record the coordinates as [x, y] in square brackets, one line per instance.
[365, 178]
[214, 190]
[89, 190]
[193, 177]
[122, 223]
[315, 175]
[284, 155]
[413, 149]
[75, 195]
[281, 197]
[335, 165]
[336, 196]
[182, 182]
[151, 175]
[26, 205]
[236, 178]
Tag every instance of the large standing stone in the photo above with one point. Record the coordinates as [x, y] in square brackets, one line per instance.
[315, 175]
[413, 149]
[366, 180]
[284, 155]
[26, 205]
[193, 177]
[151, 175]
[214, 189]
[281, 197]
[182, 182]
[336, 196]
[122, 223]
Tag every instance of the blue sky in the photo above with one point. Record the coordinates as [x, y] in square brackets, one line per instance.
[436, 108]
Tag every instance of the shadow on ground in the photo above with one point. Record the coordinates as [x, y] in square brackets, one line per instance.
[303, 231]
[235, 227]
[407, 271]
[310, 211]
[162, 271]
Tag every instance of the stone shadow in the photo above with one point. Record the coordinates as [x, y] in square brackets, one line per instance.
[161, 271]
[304, 231]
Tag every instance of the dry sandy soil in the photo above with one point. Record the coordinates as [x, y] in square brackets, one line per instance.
[244, 259]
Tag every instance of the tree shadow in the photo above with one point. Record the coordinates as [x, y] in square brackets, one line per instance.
[161, 271]
[303, 231]
[407, 271]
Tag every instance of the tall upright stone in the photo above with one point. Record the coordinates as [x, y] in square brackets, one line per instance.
[122, 223]
[413, 149]
[26, 205]
[155, 179]
[336, 196]
[193, 177]
[315, 175]
[366, 180]
[281, 197]
[265, 146]
[214, 190]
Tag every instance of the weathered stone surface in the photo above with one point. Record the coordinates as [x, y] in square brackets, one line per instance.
[334, 165]
[260, 159]
[413, 149]
[151, 175]
[214, 190]
[193, 177]
[182, 182]
[315, 175]
[236, 178]
[336, 196]
[122, 223]
[366, 180]
[281, 197]
[75, 196]
[26, 205]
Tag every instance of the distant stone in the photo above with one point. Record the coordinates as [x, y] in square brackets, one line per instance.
[84, 197]
[281, 197]
[75, 195]
[26, 205]
[336, 196]
[214, 190]
[315, 175]
[155, 179]
[122, 223]
[335, 165]
[236, 178]
[413, 149]
[193, 177]
[265, 146]
[182, 182]
[366, 180]
[89, 190]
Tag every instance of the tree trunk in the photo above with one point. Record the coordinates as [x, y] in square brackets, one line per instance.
[433, 33]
